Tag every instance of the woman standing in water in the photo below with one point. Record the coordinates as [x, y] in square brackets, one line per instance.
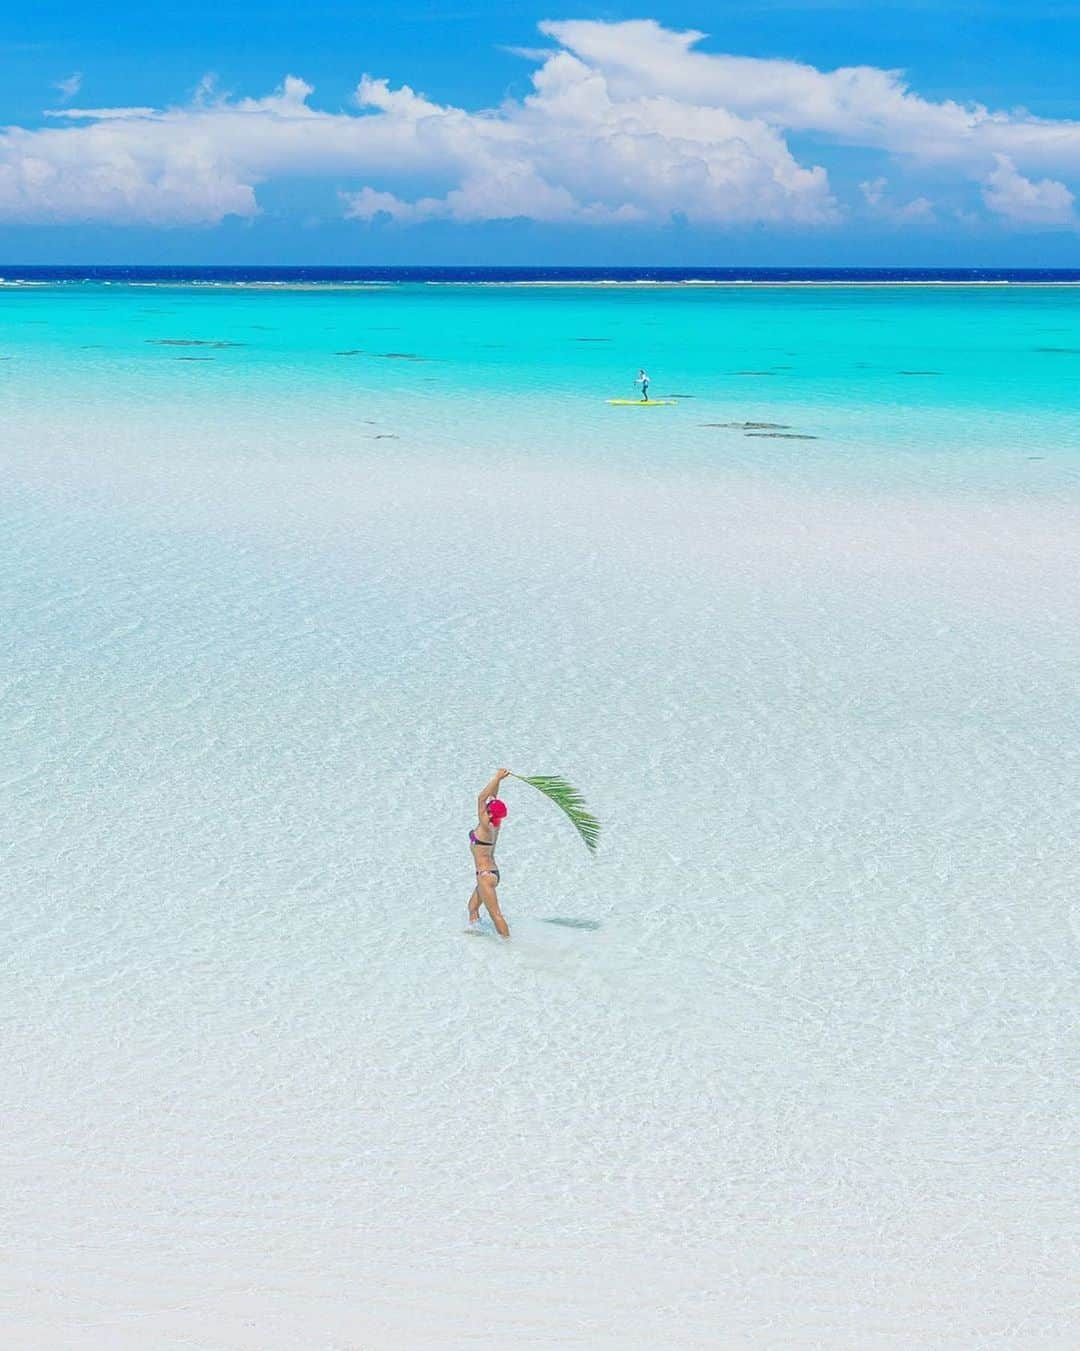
[490, 814]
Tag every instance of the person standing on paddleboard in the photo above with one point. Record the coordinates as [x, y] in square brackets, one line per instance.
[643, 381]
[490, 814]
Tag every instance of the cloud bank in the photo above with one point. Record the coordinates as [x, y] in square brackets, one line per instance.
[627, 123]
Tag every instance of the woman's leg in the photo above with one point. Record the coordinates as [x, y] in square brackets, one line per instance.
[474, 906]
[486, 887]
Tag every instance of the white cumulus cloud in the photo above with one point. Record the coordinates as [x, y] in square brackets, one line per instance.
[855, 105]
[1008, 193]
[625, 123]
[882, 206]
[571, 151]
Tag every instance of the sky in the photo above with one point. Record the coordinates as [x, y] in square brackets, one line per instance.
[755, 132]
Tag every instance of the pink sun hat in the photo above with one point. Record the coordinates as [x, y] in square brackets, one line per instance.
[496, 809]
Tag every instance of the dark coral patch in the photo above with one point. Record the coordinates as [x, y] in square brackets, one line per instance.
[192, 342]
[751, 426]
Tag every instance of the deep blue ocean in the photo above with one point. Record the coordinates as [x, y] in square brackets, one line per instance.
[151, 273]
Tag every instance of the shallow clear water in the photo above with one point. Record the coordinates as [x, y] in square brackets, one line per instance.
[792, 1062]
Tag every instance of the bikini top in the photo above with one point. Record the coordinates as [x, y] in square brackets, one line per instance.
[485, 844]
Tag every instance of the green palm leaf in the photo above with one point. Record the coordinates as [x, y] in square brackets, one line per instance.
[567, 797]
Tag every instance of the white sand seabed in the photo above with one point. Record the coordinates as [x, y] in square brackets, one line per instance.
[809, 1083]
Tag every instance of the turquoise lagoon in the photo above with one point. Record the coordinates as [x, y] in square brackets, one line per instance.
[288, 571]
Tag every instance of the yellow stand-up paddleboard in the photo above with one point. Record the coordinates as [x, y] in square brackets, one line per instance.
[643, 403]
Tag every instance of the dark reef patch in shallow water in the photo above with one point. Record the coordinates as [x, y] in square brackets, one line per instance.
[918, 372]
[676, 396]
[751, 426]
[753, 372]
[384, 356]
[386, 436]
[783, 436]
[568, 923]
[1063, 351]
[194, 358]
[594, 339]
[193, 342]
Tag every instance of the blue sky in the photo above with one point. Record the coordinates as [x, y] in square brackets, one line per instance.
[610, 139]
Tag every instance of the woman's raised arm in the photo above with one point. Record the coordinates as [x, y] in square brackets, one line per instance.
[489, 790]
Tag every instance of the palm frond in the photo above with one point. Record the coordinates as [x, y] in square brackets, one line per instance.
[567, 797]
